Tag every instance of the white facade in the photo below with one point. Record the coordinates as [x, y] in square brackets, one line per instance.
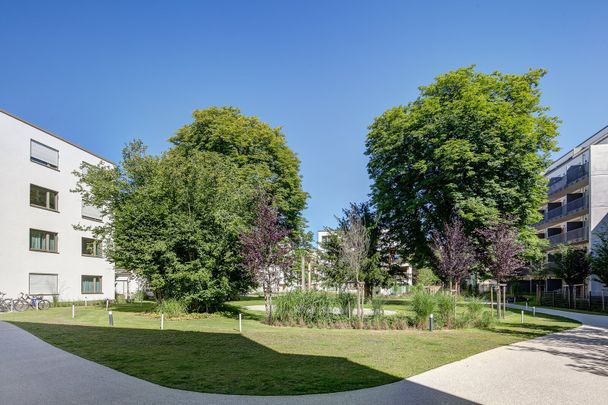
[28, 260]
[577, 207]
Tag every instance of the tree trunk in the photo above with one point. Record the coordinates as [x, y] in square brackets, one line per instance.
[268, 304]
[303, 274]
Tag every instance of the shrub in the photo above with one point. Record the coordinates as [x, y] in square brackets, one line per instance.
[308, 307]
[346, 302]
[423, 305]
[172, 308]
[377, 306]
[446, 309]
[476, 315]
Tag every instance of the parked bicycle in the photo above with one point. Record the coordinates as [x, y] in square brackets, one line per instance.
[26, 301]
[6, 304]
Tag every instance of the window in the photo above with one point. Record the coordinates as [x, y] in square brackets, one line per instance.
[43, 241]
[43, 198]
[90, 212]
[44, 155]
[43, 284]
[91, 247]
[91, 284]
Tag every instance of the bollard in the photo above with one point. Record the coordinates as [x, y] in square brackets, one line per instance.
[431, 322]
[526, 304]
[533, 311]
[522, 316]
[107, 304]
[73, 310]
[240, 323]
[162, 321]
[85, 301]
[110, 318]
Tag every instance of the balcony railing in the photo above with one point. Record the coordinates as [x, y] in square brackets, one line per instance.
[573, 175]
[577, 235]
[572, 207]
[556, 239]
[573, 236]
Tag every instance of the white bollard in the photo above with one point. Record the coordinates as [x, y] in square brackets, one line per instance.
[162, 321]
[522, 316]
[110, 318]
[73, 310]
[533, 311]
[85, 301]
[240, 323]
[107, 304]
[526, 304]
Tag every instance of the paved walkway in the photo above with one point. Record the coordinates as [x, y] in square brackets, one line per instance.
[569, 368]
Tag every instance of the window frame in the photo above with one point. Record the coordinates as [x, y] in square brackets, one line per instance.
[93, 276]
[97, 247]
[48, 200]
[42, 162]
[47, 239]
[29, 282]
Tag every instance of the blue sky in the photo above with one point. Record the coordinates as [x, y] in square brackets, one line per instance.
[102, 73]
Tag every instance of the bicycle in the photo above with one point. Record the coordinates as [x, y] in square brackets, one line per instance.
[25, 301]
[6, 304]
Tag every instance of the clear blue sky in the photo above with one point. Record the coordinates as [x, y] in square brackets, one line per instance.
[104, 72]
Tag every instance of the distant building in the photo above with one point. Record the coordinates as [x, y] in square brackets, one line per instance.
[577, 207]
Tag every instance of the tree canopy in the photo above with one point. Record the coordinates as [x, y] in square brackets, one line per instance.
[176, 219]
[255, 147]
[472, 145]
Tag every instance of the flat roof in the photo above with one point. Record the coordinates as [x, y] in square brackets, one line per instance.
[56, 136]
[578, 149]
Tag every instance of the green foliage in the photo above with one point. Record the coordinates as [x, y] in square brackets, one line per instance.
[378, 269]
[571, 264]
[426, 277]
[476, 315]
[423, 305]
[599, 258]
[473, 145]
[252, 145]
[377, 306]
[172, 308]
[176, 222]
[303, 307]
[347, 302]
[446, 309]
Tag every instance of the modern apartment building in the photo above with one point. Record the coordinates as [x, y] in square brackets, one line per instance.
[41, 252]
[577, 207]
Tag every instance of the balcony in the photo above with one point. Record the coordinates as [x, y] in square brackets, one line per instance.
[572, 236]
[566, 211]
[577, 235]
[574, 175]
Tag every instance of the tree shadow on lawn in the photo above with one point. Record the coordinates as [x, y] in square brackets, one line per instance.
[227, 363]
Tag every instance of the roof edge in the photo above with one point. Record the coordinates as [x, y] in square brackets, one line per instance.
[57, 136]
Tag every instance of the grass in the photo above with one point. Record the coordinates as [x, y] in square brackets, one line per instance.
[209, 355]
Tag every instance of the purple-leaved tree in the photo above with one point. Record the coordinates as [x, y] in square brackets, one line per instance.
[501, 255]
[453, 253]
[266, 250]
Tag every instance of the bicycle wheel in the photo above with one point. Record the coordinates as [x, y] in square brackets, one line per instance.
[6, 305]
[44, 304]
[20, 305]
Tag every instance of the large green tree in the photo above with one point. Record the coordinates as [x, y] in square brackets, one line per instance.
[255, 147]
[176, 221]
[472, 145]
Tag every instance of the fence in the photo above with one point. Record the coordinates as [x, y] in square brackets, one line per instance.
[562, 298]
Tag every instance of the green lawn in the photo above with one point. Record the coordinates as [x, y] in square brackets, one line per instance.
[209, 355]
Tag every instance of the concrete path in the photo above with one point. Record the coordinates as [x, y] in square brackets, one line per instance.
[569, 368]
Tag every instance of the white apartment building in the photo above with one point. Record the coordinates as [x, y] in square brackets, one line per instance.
[41, 252]
[577, 207]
